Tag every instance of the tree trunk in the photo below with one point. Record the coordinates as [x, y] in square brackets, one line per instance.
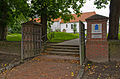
[113, 20]
[3, 21]
[3, 33]
[44, 23]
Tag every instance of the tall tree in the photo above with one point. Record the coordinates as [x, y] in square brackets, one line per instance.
[113, 17]
[8, 10]
[52, 9]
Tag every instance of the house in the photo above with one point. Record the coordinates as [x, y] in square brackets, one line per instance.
[56, 25]
[59, 24]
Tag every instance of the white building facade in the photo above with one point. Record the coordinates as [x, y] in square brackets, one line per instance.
[68, 27]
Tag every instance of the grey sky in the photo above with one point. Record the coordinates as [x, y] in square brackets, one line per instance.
[89, 6]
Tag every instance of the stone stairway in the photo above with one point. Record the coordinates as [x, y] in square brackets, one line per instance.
[66, 52]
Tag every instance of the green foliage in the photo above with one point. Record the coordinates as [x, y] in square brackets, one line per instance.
[11, 9]
[55, 8]
[14, 37]
[50, 35]
[74, 28]
[119, 36]
[101, 3]
[62, 36]
[15, 27]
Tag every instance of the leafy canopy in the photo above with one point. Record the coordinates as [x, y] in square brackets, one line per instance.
[56, 8]
[10, 9]
[101, 3]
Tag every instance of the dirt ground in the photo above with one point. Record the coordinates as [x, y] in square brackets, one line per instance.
[110, 70]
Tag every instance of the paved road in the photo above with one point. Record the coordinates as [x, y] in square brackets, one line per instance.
[70, 42]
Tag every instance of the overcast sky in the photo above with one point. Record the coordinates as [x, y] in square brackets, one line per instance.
[89, 6]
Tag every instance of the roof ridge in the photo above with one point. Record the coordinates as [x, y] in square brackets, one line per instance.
[88, 12]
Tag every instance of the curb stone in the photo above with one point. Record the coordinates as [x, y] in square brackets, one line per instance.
[82, 70]
[9, 67]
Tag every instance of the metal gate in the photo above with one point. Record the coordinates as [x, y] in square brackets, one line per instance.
[82, 42]
[31, 39]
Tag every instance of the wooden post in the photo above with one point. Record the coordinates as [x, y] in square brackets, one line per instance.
[22, 47]
[80, 43]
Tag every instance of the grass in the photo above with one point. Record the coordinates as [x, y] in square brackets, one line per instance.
[58, 37]
[14, 37]
[62, 36]
[119, 36]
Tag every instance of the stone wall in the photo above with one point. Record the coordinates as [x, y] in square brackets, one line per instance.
[13, 48]
[114, 50]
[97, 51]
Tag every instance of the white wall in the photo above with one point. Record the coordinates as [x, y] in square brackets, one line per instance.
[61, 26]
[69, 30]
[56, 25]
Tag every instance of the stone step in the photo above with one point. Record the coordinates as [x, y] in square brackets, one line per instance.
[62, 53]
[62, 47]
[101, 77]
[62, 57]
[62, 50]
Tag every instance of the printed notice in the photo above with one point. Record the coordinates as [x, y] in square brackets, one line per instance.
[96, 28]
[96, 36]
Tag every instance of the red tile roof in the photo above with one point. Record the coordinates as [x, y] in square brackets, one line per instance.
[82, 17]
[37, 20]
[55, 20]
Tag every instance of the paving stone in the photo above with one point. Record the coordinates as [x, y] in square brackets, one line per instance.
[44, 68]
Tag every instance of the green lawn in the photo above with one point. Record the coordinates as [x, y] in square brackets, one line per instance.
[14, 37]
[119, 36]
[58, 37]
[62, 36]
